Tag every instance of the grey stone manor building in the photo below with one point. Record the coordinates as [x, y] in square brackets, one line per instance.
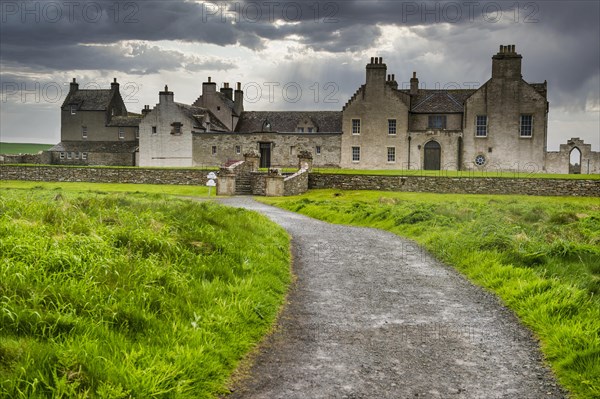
[501, 125]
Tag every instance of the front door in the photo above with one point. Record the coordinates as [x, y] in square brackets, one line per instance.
[265, 155]
[433, 155]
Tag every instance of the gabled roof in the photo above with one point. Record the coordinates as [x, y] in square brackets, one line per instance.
[125, 121]
[96, 146]
[288, 121]
[439, 101]
[90, 100]
[200, 115]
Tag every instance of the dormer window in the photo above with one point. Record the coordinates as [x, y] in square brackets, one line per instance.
[73, 109]
[300, 130]
[176, 128]
[310, 129]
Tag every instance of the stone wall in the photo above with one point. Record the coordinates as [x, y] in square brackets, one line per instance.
[104, 175]
[42, 157]
[296, 184]
[259, 183]
[462, 185]
[285, 147]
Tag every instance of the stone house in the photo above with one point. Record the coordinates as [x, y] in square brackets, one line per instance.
[501, 125]
[166, 131]
[277, 136]
[96, 129]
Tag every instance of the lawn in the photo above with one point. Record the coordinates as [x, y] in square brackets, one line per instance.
[20, 148]
[540, 255]
[103, 188]
[131, 295]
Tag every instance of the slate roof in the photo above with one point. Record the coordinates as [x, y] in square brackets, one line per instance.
[90, 100]
[440, 101]
[288, 121]
[125, 121]
[199, 116]
[96, 146]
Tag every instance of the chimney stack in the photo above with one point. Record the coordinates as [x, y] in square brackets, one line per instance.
[166, 96]
[74, 86]
[376, 74]
[238, 103]
[414, 85]
[146, 110]
[114, 85]
[507, 63]
[227, 91]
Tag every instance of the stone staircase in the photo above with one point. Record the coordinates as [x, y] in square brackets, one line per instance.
[243, 184]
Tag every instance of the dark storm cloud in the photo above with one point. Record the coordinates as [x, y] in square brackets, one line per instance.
[56, 35]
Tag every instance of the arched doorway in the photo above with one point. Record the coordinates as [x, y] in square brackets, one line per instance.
[575, 161]
[433, 155]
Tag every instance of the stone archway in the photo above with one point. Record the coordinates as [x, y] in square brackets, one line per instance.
[433, 156]
[575, 161]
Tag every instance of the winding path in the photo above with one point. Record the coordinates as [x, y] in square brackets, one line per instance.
[372, 315]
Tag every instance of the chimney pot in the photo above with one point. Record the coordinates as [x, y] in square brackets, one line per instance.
[74, 80]
[389, 77]
[414, 74]
[500, 50]
[393, 77]
[209, 79]
[115, 80]
[513, 48]
[381, 60]
[239, 86]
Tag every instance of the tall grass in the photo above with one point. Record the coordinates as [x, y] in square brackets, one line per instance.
[118, 296]
[541, 255]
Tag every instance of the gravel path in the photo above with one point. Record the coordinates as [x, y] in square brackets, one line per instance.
[372, 315]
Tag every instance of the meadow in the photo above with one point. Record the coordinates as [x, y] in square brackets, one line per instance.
[540, 255]
[119, 295]
[22, 148]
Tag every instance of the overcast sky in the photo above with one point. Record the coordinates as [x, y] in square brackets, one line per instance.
[302, 55]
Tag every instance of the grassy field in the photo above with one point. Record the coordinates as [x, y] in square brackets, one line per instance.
[103, 188]
[541, 255]
[455, 173]
[19, 148]
[131, 295]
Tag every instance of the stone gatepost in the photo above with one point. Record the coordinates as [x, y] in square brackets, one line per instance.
[305, 160]
[252, 160]
[226, 182]
[274, 185]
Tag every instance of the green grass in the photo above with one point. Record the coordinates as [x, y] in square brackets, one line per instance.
[454, 173]
[76, 187]
[19, 148]
[541, 255]
[131, 295]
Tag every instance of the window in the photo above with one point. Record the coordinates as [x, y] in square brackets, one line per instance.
[481, 126]
[176, 128]
[238, 149]
[73, 109]
[292, 150]
[153, 129]
[84, 132]
[391, 154]
[355, 154]
[356, 126]
[137, 132]
[84, 155]
[69, 155]
[391, 126]
[121, 133]
[214, 150]
[479, 160]
[526, 125]
[437, 122]
[300, 130]
[62, 155]
[310, 130]
[318, 150]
